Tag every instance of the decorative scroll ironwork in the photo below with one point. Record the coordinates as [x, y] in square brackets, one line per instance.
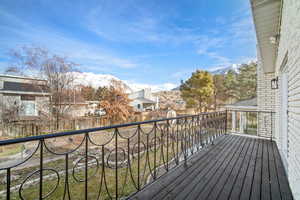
[106, 162]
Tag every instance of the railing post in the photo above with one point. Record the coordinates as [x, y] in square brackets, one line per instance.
[41, 168]
[66, 190]
[139, 140]
[8, 184]
[168, 124]
[226, 119]
[155, 129]
[177, 141]
[116, 162]
[213, 129]
[185, 150]
[86, 167]
[200, 129]
[271, 126]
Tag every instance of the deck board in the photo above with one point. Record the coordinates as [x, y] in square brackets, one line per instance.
[163, 185]
[200, 171]
[236, 167]
[242, 186]
[274, 182]
[265, 175]
[216, 177]
[199, 180]
[283, 182]
[184, 178]
[237, 174]
[256, 182]
[224, 185]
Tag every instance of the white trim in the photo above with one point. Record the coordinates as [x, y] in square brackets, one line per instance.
[243, 108]
[21, 77]
[247, 135]
[22, 93]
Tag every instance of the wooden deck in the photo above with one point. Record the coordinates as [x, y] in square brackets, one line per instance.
[236, 167]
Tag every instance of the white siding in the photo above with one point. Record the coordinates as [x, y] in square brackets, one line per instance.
[289, 48]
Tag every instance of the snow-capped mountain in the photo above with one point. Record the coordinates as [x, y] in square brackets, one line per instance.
[97, 80]
[224, 70]
[94, 80]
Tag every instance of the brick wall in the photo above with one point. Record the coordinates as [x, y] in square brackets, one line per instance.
[265, 101]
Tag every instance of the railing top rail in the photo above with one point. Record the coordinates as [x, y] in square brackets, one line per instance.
[257, 111]
[76, 132]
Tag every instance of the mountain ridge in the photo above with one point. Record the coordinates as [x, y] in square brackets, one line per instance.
[101, 80]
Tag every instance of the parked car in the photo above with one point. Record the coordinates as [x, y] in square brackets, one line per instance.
[100, 112]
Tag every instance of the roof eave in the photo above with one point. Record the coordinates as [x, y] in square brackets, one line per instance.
[266, 16]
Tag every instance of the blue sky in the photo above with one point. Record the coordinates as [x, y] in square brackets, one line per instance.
[142, 41]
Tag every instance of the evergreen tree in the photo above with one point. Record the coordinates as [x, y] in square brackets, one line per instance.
[230, 84]
[246, 80]
[220, 95]
[197, 90]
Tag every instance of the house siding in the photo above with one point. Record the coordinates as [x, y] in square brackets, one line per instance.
[13, 88]
[137, 101]
[289, 52]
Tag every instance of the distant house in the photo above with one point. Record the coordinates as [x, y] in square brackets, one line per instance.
[82, 108]
[144, 100]
[24, 96]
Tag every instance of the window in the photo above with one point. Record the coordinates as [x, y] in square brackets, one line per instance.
[28, 108]
[27, 98]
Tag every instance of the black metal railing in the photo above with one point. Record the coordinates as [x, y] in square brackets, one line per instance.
[255, 123]
[102, 163]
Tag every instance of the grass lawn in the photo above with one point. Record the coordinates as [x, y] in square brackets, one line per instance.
[11, 150]
[125, 183]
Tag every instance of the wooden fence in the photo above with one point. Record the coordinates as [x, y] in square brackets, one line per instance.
[38, 127]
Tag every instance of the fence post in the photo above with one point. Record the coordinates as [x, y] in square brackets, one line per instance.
[37, 130]
[32, 129]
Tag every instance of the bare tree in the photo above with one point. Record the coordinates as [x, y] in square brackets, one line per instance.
[11, 108]
[55, 69]
[116, 103]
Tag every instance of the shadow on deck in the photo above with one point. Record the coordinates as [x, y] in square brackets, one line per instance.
[236, 167]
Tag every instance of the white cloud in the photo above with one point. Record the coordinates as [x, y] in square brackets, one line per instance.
[239, 31]
[154, 87]
[78, 50]
[243, 30]
[183, 74]
[209, 45]
[140, 25]
[221, 60]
